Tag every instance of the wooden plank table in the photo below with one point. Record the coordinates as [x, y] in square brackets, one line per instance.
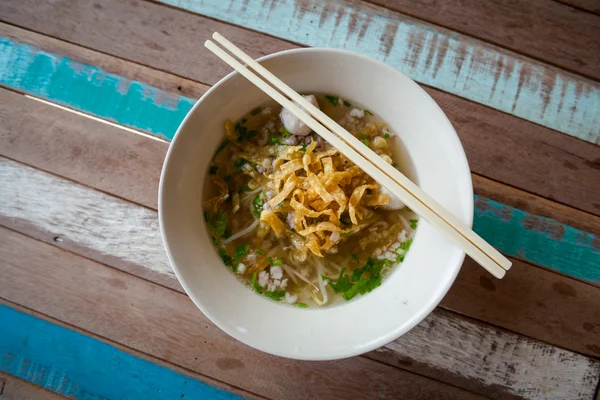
[92, 92]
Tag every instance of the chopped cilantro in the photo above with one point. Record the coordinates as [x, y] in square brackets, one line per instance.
[362, 280]
[219, 224]
[239, 164]
[284, 132]
[226, 259]
[332, 99]
[258, 206]
[301, 305]
[354, 257]
[275, 139]
[386, 135]
[244, 133]
[260, 251]
[275, 261]
[343, 283]
[228, 178]
[227, 234]
[256, 111]
[350, 232]
[368, 112]
[213, 169]
[275, 294]
[222, 146]
[240, 252]
[303, 148]
[243, 189]
[347, 104]
[312, 134]
[414, 223]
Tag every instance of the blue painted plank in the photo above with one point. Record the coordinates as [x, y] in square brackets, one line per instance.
[428, 54]
[532, 238]
[81, 367]
[538, 240]
[90, 89]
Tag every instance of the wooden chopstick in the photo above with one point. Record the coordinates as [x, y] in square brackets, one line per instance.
[351, 147]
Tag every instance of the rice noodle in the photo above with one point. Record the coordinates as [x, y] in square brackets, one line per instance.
[243, 232]
[320, 271]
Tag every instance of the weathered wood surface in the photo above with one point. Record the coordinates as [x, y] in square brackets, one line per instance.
[165, 324]
[12, 388]
[498, 146]
[592, 6]
[433, 56]
[531, 301]
[51, 355]
[547, 30]
[460, 65]
[96, 155]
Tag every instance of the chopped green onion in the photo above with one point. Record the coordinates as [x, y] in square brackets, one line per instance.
[368, 112]
[213, 169]
[355, 257]
[301, 305]
[401, 251]
[256, 111]
[275, 261]
[243, 189]
[227, 234]
[386, 135]
[303, 148]
[243, 121]
[284, 132]
[228, 178]
[365, 139]
[348, 233]
[258, 206]
[260, 251]
[347, 104]
[332, 99]
[255, 285]
[222, 146]
[239, 164]
[414, 223]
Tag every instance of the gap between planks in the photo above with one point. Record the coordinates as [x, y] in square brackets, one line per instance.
[140, 157]
[166, 325]
[513, 365]
[531, 301]
[549, 157]
[547, 31]
[135, 363]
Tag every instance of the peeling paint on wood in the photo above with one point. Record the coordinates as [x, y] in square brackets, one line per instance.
[463, 66]
[90, 89]
[52, 357]
[516, 233]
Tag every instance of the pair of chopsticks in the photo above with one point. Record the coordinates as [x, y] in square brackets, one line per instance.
[362, 156]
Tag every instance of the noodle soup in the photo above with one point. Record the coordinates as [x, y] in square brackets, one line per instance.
[294, 218]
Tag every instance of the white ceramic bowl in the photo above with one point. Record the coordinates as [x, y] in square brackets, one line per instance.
[412, 290]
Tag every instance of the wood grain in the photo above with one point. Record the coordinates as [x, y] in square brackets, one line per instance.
[70, 362]
[498, 146]
[507, 82]
[12, 388]
[165, 324]
[549, 31]
[592, 6]
[546, 314]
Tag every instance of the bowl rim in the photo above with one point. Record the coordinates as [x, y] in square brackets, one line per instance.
[460, 160]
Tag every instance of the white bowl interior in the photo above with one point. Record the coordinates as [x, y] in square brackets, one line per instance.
[369, 321]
